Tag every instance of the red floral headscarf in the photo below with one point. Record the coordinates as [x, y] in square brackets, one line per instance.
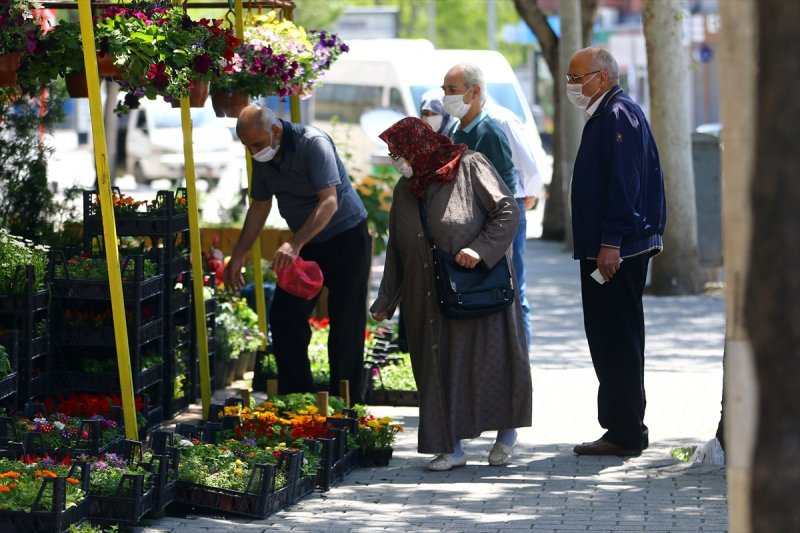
[433, 157]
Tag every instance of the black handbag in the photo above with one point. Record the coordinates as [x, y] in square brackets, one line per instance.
[468, 292]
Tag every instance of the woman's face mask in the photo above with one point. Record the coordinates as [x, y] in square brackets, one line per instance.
[403, 167]
[434, 121]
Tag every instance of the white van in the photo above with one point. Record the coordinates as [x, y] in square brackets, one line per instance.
[154, 142]
[393, 74]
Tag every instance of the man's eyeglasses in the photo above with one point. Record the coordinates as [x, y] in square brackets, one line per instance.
[573, 78]
[393, 157]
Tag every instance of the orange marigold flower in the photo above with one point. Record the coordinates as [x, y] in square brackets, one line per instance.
[3, 488]
[72, 481]
[12, 485]
[13, 475]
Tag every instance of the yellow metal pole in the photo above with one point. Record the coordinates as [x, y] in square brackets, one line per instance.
[294, 100]
[109, 227]
[195, 253]
[255, 251]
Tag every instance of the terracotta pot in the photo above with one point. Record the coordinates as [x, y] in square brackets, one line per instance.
[9, 64]
[229, 105]
[106, 67]
[77, 86]
[198, 95]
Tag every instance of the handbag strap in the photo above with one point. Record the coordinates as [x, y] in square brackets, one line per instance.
[423, 218]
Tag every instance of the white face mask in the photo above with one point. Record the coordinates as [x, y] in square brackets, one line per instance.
[403, 167]
[434, 121]
[267, 154]
[455, 105]
[576, 96]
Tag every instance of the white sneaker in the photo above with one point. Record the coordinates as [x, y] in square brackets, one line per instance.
[500, 454]
[444, 462]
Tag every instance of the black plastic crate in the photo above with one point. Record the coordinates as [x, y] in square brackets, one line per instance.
[134, 499]
[56, 520]
[8, 384]
[164, 221]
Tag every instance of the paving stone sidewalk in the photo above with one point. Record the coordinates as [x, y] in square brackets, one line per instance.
[546, 487]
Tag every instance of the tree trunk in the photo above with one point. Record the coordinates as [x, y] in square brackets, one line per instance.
[553, 223]
[572, 118]
[737, 71]
[773, 285]
[677, 269]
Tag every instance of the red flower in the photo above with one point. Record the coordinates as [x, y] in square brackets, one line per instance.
[158, 74]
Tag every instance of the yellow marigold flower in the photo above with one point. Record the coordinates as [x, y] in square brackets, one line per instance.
[238, 471]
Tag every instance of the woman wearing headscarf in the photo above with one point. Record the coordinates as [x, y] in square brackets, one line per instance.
[473, 375]
[431, 110]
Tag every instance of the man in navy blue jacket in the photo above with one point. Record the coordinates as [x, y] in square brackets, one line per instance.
[618, 218]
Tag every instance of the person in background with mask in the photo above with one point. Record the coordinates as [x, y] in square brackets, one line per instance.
[464, 97]
[431, 110]
[527, 176]
[473, 375]
[618, 212]
[299, 165]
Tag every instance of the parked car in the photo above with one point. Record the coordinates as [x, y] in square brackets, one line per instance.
[154, 143]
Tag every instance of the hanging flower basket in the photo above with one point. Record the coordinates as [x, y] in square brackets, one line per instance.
[229, 104]
[106, 67]
[77, 87]
[9, 64]
[197, 95]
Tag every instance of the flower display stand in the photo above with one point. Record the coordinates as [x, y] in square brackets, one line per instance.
[77, 343]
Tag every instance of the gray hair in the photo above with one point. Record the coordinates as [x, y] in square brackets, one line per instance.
[474, 76]
[258, 117]
[603, 60]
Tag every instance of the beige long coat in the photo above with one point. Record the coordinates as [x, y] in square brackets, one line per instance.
[473, 375]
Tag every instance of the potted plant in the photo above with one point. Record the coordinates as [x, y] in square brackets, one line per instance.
[18, 33]
[374, 439]
[164, 51]
[237, 333]
[276, 57]
[64, 48]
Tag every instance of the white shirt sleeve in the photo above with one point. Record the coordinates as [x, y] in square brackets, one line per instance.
[523, 147]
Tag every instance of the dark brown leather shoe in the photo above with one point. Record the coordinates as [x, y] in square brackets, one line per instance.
[604, 447]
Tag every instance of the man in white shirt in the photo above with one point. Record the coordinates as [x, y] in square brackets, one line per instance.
[527, 155]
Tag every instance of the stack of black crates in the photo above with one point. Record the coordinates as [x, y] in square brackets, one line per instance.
[25, 327]
[168, 232]
[161, 338]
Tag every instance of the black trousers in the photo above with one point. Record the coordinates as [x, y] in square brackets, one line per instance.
[345, 262]
[614, 321]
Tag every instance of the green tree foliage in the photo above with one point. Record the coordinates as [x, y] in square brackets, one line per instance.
[460, 24]
[26, 202]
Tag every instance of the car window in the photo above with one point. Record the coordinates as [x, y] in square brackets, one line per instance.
[171, 117]
[348, 102]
